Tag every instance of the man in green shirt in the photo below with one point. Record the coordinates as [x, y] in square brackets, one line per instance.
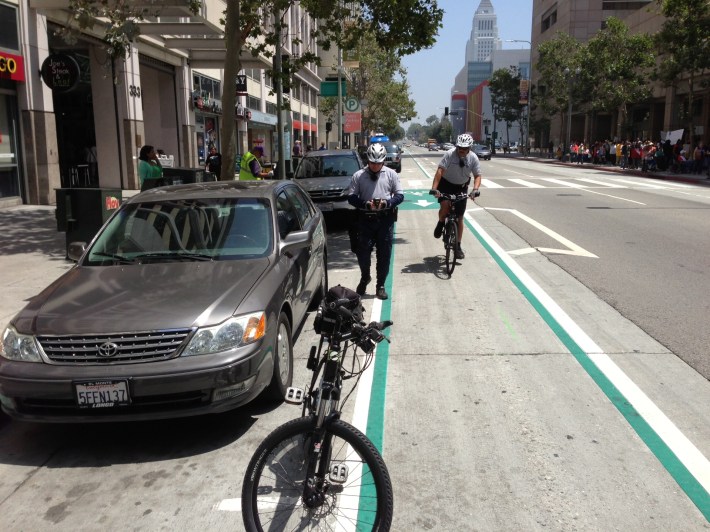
[249, 168]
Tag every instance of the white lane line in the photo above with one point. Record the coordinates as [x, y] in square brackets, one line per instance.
[525, 183]
[414, 183]
[572, 248]
[696, 463]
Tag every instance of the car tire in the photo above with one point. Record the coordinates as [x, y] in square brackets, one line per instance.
[283, 361]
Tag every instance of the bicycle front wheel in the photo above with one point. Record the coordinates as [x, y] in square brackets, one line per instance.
[353, 493]
[450, 242]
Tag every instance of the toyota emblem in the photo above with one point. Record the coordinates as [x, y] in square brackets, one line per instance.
[108, 349]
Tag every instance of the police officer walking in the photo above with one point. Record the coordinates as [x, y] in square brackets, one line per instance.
[375, 191]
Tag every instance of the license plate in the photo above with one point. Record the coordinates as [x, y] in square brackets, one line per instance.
[102, 394]
[326, 206]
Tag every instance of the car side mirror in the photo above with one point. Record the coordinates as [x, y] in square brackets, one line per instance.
[76, 250]
[293, 241]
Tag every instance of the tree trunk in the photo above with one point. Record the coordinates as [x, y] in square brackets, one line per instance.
[229, 90]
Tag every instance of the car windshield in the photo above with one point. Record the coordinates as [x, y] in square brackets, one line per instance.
[327, 166]
[185, 230]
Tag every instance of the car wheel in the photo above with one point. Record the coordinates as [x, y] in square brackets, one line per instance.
[283, 361]
[322, 288]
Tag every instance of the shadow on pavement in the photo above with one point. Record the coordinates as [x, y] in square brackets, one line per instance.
[30, 230]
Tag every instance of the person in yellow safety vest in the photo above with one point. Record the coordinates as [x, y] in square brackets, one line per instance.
[249, 168]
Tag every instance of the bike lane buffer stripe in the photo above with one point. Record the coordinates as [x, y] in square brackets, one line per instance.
[369, 412]
[686, 464]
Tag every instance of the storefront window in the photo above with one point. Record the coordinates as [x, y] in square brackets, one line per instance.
[9, 181]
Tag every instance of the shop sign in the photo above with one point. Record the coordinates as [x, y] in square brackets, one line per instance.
[241, 84]
[12, 67]
[60, 72]
[353, 122]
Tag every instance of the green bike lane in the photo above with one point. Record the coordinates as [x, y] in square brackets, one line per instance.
[482, 343]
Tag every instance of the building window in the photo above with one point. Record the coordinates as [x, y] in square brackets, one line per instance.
[8, 28]
[549, 19]
[253, 103]
[271, 108]
[207, 86]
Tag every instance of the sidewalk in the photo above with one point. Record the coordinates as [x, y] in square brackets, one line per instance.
[695, 179]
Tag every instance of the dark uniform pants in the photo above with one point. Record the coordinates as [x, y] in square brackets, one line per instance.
[375, 230]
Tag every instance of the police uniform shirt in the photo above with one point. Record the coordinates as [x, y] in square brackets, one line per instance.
[385, 187]
[454, 173]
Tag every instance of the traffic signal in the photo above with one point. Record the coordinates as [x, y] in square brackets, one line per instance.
[446, 111]
[329, 126]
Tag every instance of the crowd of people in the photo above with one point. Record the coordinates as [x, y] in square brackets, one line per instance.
[640, 155]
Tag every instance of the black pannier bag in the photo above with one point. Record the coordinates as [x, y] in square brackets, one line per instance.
[327, 315]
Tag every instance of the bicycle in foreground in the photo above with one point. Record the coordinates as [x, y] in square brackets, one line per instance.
[317, 471]
[450, 234]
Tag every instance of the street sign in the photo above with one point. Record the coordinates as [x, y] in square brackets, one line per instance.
[330, 88]
[352, 105]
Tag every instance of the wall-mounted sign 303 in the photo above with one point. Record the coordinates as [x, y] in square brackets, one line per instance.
[12, 67]
[60, 72]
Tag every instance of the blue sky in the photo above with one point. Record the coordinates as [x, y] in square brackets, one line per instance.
[431, 72]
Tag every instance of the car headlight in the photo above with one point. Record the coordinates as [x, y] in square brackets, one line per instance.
[235, 332]
[20, 347]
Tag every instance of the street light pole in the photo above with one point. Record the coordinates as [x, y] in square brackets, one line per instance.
[527, 122]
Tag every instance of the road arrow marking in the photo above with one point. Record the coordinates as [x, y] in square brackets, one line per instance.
[424, 203]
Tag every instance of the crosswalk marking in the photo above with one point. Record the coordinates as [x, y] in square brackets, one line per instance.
[602, 183]
[526, 183]
[564, 183]
[643, 184]
[490, 184]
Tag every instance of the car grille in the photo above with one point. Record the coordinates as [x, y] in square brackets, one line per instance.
[327, 195]
[120, 348]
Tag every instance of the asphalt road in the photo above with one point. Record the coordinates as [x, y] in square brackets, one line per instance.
[517, 395]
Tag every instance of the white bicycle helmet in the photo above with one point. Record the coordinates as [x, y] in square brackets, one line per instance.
[376, 153]
[464, 141]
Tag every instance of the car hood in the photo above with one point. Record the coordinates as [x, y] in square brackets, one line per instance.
[313, 184]
[109, 299]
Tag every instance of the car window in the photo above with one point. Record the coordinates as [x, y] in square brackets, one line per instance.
[287, 215]
[300, 204]
[183, 230]
[327, 166]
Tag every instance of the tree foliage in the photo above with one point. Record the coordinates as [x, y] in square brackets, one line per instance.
[609, 72]
[504, 86]
[683, 44]
[380, 80]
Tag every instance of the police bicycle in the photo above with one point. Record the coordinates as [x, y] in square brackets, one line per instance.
[317, 471]
[450, 234]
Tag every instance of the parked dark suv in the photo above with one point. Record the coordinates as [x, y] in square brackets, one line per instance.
[394, 156]
[326, 176]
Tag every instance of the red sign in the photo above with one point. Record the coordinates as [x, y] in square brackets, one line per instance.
[12, 67]
[112, 203]
[353, 122]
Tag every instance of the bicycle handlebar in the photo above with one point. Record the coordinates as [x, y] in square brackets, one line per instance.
[455, 197]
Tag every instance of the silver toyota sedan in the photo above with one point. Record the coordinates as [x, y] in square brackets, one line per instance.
[184, 303]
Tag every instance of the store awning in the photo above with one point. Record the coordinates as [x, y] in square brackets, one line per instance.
[172, 25]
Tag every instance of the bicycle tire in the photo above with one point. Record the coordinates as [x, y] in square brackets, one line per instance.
[273, 484]
[450, 243]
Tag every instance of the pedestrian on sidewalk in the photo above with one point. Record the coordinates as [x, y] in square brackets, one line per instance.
[150, 172]
[698, 157]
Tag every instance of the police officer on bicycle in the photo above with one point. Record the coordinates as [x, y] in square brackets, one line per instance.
[453, 177]
[375, 191]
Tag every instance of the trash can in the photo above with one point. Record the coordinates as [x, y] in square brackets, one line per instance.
[82, 211]
[181, 176]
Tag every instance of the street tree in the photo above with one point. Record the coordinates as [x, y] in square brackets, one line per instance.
[683, 44]
[556, 59]
[622, 65]
[381, 81]
[258, 26]
[504, 86]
